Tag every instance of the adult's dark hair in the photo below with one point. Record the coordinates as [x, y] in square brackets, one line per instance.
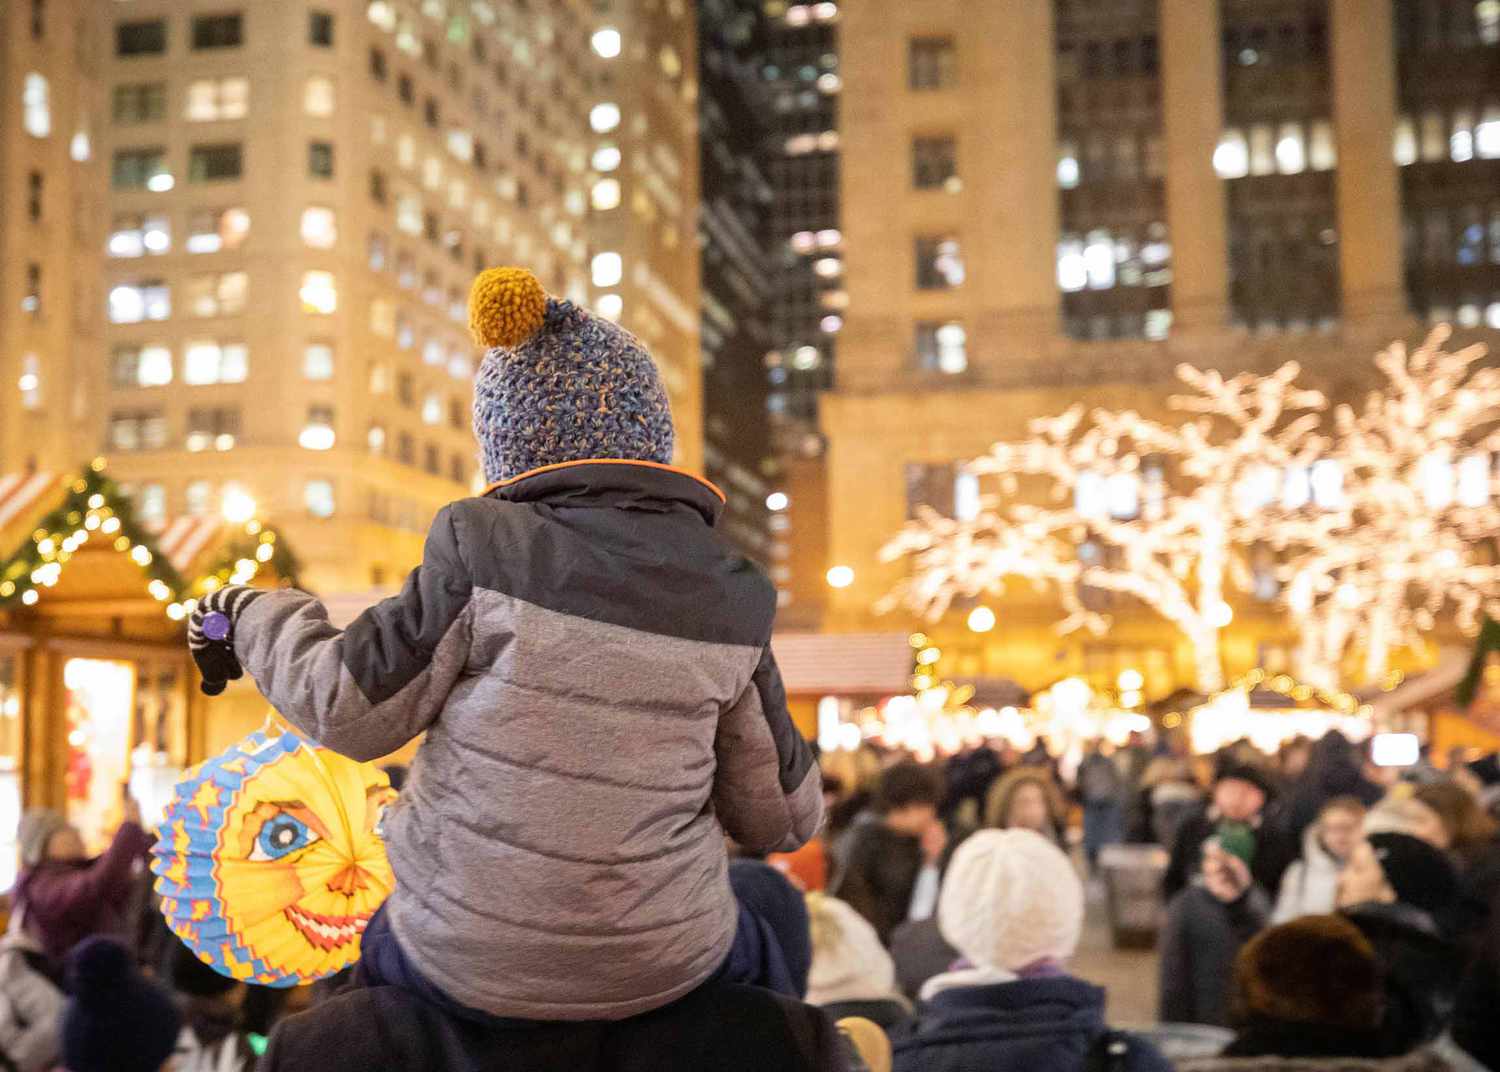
[1317, 970]
[906, 784]
[1470, 830]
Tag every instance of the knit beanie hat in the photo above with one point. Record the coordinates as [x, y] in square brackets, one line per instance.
[559, 384]
[1011, 898]
[1421, 875]
[35, 831]
[773, 944]
[117, 1020]
[1315, 970]
[848, 961]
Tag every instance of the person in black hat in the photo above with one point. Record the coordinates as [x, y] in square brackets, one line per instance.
[117, 1019]
[1236, 815]
[212, 1006]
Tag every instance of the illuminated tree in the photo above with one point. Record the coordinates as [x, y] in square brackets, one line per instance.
[1138, 507]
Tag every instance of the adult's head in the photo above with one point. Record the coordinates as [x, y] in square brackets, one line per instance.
[1339, 826]
[1398, 869]
[773, 948]
[1317, 971]
[1335, 765]
[1408, 815]
[1470, 831]
[1294, 757]
[117, 1020]
[848, 961]
[1024, 799]
[1011, 899]
[908, 797]
[1241, 792]
[45, 836]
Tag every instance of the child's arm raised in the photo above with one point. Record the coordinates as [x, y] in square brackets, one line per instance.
[366, 690]
[768, 791]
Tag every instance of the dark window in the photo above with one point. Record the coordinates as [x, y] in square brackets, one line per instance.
[931, 63]
[456, 414]
[377, 186]
[480, 156]
[216, 163]
[320, 29]
[138, 430]
[932, 486]
[456, 469]
[940, 263]
[38, 19]
[430, 226]
[406, 449]
[31, 301]
[432, 459]
[523, 146]
[133, 169]
[430, 53]
[218, 31]
[481, 54]
[207, 425]
[941, 347]
[523, 196]
[404, 89]
[406, 390]
[320, 159]
[145, 38]
[377, 65]
[34, 182]
[934, 162]
[430, 112]
[141, 102]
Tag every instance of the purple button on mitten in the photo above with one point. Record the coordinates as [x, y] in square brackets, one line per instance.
[216, 626]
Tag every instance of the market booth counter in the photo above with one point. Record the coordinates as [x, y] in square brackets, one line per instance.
[97, 690]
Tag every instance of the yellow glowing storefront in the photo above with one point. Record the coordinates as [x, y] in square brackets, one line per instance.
[97, 691]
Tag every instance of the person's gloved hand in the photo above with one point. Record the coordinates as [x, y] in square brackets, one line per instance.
[211, 636]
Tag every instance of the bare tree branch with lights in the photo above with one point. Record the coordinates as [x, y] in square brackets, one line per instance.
[1413, 535]
[1186, 497]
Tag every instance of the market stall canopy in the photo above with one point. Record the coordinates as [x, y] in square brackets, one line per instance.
[844, 664]
[72, 548]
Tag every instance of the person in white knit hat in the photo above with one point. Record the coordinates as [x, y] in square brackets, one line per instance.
[852, 974]
[1012, 906]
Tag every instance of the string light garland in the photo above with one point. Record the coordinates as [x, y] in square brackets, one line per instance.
[1175, 553]
[95, 511]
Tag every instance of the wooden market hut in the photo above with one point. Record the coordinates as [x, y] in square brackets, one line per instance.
[97, 689]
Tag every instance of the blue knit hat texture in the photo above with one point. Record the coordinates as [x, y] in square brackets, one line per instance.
[117, 1020]
[559, 384]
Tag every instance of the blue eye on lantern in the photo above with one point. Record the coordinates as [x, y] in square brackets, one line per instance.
[282, 834]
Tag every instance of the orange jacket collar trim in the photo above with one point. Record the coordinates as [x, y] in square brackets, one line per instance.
[605, 461]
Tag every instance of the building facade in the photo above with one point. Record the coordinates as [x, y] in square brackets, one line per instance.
[737, 280]
[1051, 202]
[247, 280]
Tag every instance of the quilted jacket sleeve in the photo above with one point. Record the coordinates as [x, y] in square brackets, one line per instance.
[366, 690]
[768, 791]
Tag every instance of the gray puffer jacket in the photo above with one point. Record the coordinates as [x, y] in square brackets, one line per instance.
[591, 666]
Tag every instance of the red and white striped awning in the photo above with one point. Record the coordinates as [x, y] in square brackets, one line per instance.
[844, 664]
[183, 539]
[21, 492]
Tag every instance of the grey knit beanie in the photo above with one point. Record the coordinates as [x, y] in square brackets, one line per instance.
[35, 832]
[559, 384]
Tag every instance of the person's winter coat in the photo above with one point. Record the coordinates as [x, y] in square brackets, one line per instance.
[920, 952]
[1052, 1024]
[1310, 886]
[1422, 971]
[1271, 856]
[773, 944]
[881, 873]
[721, 1026]
[590, 664]
[1475, 1028]
[1421, 1061]
[31, 1008]
[65, 902]
[1199, 943]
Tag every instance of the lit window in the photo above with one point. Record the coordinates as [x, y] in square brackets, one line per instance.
[319, 228]
[1434, 137]
[213, 230]
[198, 498]
[375, 439]
[318, 97]
[141, 366]
[382, 14]
[610, 306]
[606, 42]
[1262, 150]
[606, 158]
[406, 334]
[30, 382]
[458, 194]
[1487, 134]
[131, 303]
[205, 361]
[940, 263]
[806, 358]
[1291, 153]
[1405, 148]
[604, 117]
[461, 145]
[317, 361]
[432, 410]
[317, 433]
[317, 495]
[460, 365]
[1474, 480]
[36, 109]
[319, 293]
[81, 148]
[831, 324]
[605, 195]
[1487, 17]
[141, 169]
[145, 430]
[409, 214]
[382, 318]
[1072, 271]
[1067, 165]
[212, 100]
[1322, 152]
[1461, 141]
[134, 235]
[1099, 260]
[377, 251]
[222, 294]
[432, 173]
[433, 353]
[608, 269]
[150, 501]
[406, 152]
[942, 347]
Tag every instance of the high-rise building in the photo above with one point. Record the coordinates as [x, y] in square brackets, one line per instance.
[644, 156]
[1050, 202]
[736, 265]
[50, 312]
[239, 240]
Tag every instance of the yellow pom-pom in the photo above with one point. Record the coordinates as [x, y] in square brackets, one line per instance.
[507, 306]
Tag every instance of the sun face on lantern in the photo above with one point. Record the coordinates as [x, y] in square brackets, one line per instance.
[270, 865]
